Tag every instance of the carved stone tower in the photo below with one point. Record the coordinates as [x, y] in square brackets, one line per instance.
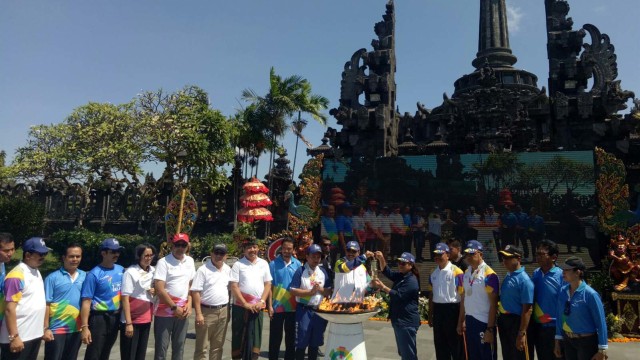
[493, 41]
[367, 110]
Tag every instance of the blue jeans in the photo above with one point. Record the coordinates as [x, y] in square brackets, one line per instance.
[406, 341]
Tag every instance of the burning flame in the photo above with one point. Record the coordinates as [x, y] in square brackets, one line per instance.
[336, 305]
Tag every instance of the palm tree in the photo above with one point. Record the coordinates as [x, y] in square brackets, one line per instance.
[285, 97]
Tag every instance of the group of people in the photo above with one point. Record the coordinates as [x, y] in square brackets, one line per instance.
[554, 312]
[71, 307]
[395, 229]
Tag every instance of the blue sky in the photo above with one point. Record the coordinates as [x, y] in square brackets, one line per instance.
[58, 55]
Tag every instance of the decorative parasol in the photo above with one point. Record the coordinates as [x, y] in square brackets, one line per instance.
[253, 202]
[254, 214]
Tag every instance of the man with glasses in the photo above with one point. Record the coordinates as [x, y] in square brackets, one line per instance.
[282, 304]
[63, 290]
[22, 329]
[445, 285]
[210, 293]
[173, 277]
[547, 281]
[479, 305]
[100, 313]
[581, 329]
[516, 300]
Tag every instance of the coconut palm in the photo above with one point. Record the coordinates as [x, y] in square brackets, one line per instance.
[285, 97]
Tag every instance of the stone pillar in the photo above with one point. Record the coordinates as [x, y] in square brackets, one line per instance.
[493, 40]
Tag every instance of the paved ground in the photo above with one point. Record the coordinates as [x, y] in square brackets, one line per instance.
[379, 339]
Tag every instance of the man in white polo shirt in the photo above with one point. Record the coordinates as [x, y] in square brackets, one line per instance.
[22, 329]
[210, 295]
[173, 277]
[250, 285]
[445, 285]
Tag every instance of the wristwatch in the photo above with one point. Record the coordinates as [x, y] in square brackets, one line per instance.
[174, 307]
[602, 351]
[13, 337]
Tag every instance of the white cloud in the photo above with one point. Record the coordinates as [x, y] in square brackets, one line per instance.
[514, 18]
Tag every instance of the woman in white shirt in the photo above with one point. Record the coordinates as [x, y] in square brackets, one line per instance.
[137, 304]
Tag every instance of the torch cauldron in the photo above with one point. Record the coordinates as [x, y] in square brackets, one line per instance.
[346, 337]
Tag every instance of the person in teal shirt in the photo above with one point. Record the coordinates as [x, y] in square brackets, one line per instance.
[282, 304]
[62, 290]
[7, 249]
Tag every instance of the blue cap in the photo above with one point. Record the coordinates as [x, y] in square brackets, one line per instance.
[441, 248]
[407, 257]
[473, 246]
[353, 245]
[314, 248]
[111, 244]
[35, 245]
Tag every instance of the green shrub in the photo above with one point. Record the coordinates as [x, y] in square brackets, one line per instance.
[201, 246]
[90, 242]
[21, 217]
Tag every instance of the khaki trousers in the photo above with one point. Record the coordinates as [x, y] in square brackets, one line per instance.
[210, 336]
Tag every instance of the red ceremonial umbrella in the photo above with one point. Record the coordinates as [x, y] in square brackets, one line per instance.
[253, 202]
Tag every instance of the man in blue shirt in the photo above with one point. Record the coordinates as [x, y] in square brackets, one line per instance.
[282, 304]
[62, 320]
[516, 300]
[547, 281]
[581, 329]
[100, 311]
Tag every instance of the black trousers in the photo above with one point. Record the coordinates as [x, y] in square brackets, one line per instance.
[104, 327]
[135, 347]
[286, 320]
[581, 348]
[449, 345]
[543, 339]
[396, 245]
[63, 346]
[508, 327]
[30, 351]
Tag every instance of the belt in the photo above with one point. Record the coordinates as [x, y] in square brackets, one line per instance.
[214, 307]
[572, 335]
[110, 312]
[310, 307]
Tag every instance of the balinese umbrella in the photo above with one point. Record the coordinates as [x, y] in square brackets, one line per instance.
[254, 214]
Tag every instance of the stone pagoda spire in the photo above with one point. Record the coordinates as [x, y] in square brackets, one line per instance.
[493, 40]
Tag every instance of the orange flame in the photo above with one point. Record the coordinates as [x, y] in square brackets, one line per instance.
[336, 305]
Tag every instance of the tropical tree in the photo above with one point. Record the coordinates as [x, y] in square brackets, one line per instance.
[285, 97]
[500, 168]
[184, 133]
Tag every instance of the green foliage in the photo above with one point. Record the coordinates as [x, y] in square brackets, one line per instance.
[21, 217]
[90, 242]
[501, 168]
[614, 325]
[202, 246]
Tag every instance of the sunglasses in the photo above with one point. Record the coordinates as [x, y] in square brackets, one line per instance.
[326, 245]
[351, 251]
[180, 244]
[567, 308]
[219, 253]
[403, 263]
[149, 256]
[115, 252]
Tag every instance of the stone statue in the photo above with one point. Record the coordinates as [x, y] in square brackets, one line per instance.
[623, 270]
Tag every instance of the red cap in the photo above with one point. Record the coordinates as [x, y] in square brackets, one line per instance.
[180, 237]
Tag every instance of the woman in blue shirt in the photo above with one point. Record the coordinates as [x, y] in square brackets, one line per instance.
[581, 330]
[403, 307]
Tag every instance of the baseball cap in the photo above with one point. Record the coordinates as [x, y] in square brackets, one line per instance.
[407, 257]
[180, 237]
[473, 246]
[573, 263]
[35, 245]
[512, 251]
[111, 244]
[314, 248]
[353, 245]
[220, 247]
[441, 248]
